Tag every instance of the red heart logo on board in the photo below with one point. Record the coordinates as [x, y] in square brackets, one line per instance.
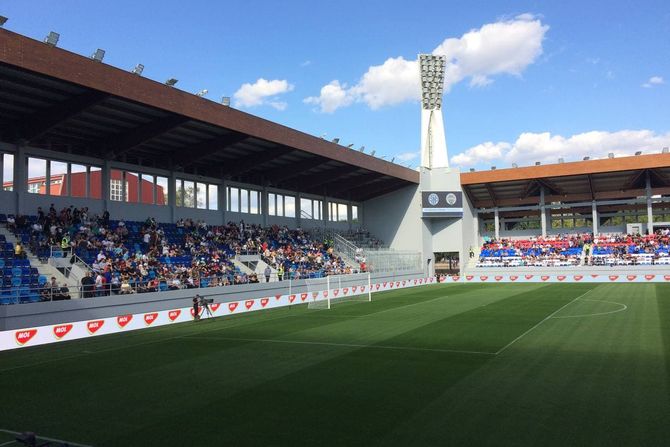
[594, 276]
[561, 277]
[384, 284]
[345, 290]
[264, 302]
[303, 296]
[232, 306]
[24, 336]
[513, 278]
[578, 277]
[469, 277]
[336, 292]
[362, 288]
[214, 307]
[200, 310]
[483, 278]
[277, 297]
[529, 276]
[666, 277]
[649, 277]
[455, 278]
[249, 303]
[291, 298]
[421, 281]
[377, 286]
[62, 330]
[325, 294]
[94, 326]
[404, 282]
[498, 278]
[123, 320]
[631, 277]
[391, 284]
[174, 314]
[150, 318]
[613, 277]
[397, 284]
[415, 281]
[544, 278]
[354, 289]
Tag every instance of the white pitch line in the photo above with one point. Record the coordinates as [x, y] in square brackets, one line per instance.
[542, 321]
[598, 313]
[344, 345]
[403, 306]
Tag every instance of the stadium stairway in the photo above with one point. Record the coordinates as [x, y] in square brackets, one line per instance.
[44, 269]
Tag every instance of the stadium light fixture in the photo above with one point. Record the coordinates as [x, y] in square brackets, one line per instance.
[587, 158]
[472, 169]
[99, 55]
[432, 80]
[638, 153]
[514, 165]
[139, 68]
[52, 39]
[350, 146]
[361, 149]
[225, 101]
[393, 160]
[323, 135]
[493, 168]
[665, 150]
[610, 155]
[538, 163]
[171, 82]
[561, 160]
[372, 154]
[201, 93]
[3, 20]
[336, 140]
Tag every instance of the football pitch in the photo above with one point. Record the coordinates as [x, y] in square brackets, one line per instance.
[456, 364]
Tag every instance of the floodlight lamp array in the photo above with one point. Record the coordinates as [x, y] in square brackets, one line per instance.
[432, 80]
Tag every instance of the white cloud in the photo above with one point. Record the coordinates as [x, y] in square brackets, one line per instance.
[306, 63]
[262, 92]
[653, 81]
[332, 97]
[407, 156]
[547, 148]
[503, 47]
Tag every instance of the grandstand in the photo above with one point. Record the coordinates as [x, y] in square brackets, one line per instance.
[123, 197]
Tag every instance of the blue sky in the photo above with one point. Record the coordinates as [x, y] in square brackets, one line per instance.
[529, 80]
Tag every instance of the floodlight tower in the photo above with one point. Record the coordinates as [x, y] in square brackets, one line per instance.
[433, 141]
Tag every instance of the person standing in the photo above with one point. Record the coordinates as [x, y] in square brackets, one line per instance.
[267, 272]
[280, 272]
[196, 308]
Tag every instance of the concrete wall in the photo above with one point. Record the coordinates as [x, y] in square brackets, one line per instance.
[395, 218]
[20, 316]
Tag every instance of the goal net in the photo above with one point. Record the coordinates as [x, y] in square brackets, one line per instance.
[326, 292]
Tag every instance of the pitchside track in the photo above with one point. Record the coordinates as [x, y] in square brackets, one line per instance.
[503, 364]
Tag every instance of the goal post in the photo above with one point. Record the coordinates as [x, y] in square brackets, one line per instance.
[331, 290]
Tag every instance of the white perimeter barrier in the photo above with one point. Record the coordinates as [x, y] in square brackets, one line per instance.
[83, 329]
[572, 278]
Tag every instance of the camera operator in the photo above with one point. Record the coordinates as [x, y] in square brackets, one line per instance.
[205, 302]
[196, 307]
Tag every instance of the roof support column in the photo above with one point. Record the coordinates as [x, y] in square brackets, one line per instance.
[650, 211]
[172, 194]
[543, 213]
[105, 174]
[496, 223]
[20, 178]
[264, 206]
[221, 201]
[594, 217]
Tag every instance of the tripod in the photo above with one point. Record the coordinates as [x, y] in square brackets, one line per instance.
[207, 310]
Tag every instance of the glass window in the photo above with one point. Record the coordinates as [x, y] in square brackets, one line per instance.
[57, 174]
[280, 205]
[115, 188]
[354, 213]
[306, 209]
[289, 206]
[179, 188]
[132, 187]
[77, 180]
[253, 202]
[271, 204]
[234, 200]
[213, 197]
[161, 191]
[147, 189]
[189, 194]
[7, 172]
[201, 195]
[244, 200]
[37, 173]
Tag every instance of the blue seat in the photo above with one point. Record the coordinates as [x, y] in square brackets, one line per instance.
[41, 280]
[2, 263]
[16, 271]
[16, 281]
[5, 300]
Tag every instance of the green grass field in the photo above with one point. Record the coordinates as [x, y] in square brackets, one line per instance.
[487, 364]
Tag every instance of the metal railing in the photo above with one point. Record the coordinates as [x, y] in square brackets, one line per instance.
[379, 260]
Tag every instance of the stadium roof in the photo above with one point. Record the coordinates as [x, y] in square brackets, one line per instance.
[55, 99]
[611, 178]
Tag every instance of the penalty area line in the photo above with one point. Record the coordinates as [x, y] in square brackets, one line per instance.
[344, 345]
